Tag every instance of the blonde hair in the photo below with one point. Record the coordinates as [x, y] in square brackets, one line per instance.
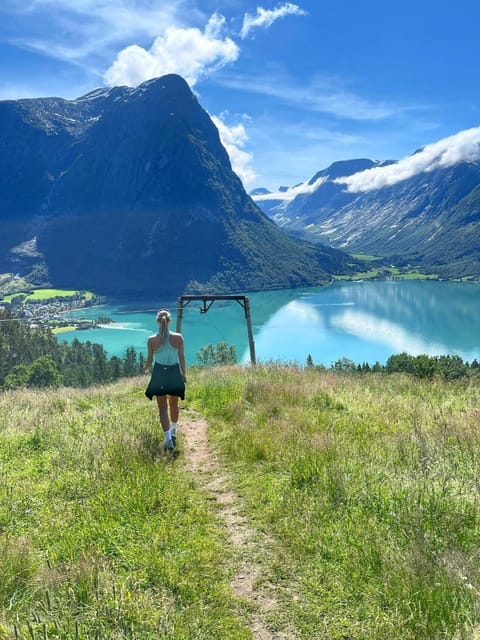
[163, 319]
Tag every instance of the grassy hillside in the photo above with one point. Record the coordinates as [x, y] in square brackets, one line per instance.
[100, 536]
[366, 486]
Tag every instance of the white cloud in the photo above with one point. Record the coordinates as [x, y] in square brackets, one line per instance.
[80, 31]
[189, 52]
[293, 192]
[233, 139]
[266, 17]
[461, 147]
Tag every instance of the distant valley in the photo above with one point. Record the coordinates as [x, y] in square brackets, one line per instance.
[130, 192]
[430, 219]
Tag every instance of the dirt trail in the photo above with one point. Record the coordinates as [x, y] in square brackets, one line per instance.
[249, 546]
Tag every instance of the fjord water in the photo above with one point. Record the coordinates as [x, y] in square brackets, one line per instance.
[361, 321]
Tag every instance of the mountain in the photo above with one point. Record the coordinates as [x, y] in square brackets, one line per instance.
[128, 191]
[430, 218]
[298, 206]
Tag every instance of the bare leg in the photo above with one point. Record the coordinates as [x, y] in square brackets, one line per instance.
[163, 412]
[173, 402]
[173, 405]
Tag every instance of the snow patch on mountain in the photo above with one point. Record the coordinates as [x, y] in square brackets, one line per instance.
[288, 195]
[461, 147]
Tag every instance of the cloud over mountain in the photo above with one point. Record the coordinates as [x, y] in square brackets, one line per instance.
[461, 147]
[290, 194]
[233, 139]
[191, 53]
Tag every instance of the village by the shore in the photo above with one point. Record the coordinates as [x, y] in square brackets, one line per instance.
[50, 312]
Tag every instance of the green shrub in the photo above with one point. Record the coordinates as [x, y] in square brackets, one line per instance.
[217, 354]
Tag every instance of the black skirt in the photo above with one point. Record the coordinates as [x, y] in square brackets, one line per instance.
[166, 380]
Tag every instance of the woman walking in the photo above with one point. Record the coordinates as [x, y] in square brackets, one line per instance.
[167, 382]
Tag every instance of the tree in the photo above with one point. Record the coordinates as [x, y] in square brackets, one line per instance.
[44, 373]
[424, 366]
[344, 364]
[400, 363]
[217, 354]
[131, 367]
[23, 350]
[451, 367]
[100, 364]
[115, 367]
[18, 377]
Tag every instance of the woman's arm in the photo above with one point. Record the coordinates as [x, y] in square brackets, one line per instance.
[149, 361]
[181, 357]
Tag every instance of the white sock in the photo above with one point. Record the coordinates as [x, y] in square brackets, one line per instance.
[168, 437]
[173, 429]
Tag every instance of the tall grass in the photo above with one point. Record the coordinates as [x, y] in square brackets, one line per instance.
[369, 485]
[100, 535]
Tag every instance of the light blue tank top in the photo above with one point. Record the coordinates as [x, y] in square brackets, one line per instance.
[166, 354]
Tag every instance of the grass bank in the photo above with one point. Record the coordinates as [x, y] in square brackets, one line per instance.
[369, 485]
[101, 536]
[366, 484]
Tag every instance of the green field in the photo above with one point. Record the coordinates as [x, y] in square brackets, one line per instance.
[66, 329]
[48, 294]
[388, 272]
[365, 486]
[366, 257]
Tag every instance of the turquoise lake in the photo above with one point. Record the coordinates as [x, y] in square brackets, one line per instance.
[361, 321]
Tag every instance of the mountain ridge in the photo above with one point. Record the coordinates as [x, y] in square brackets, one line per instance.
[130, 190]
[430, 219]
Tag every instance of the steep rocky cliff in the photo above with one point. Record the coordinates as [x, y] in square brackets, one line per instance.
[130, 191]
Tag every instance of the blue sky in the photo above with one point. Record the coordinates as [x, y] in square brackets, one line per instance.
[292, 86]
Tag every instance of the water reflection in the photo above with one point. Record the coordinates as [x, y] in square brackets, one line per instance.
[393, 336]
[446, 314]
[365, 322]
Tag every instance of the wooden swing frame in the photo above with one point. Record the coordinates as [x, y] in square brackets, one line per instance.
[207, 301]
